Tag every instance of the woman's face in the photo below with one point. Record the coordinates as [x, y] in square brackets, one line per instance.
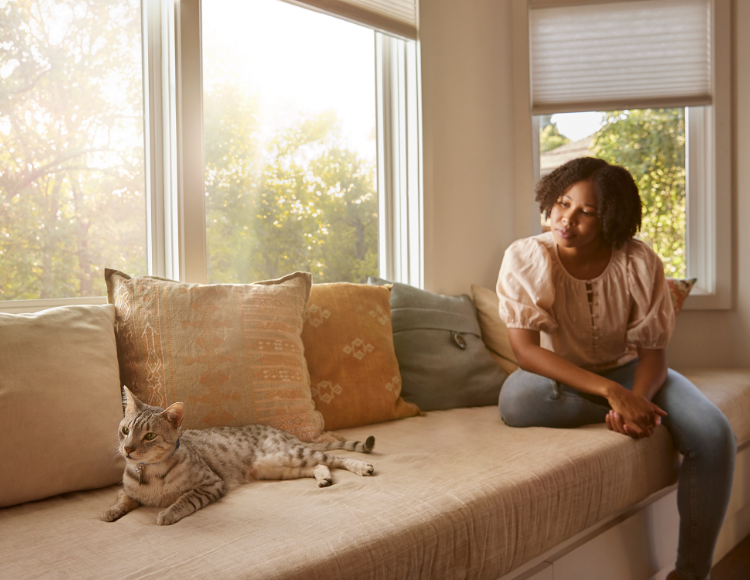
[574, 218]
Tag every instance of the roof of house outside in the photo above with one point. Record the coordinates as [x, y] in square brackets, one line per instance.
[553, 159]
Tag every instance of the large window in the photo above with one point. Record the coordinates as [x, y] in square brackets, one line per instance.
[290, 143]
[225, 141]
[72, 187]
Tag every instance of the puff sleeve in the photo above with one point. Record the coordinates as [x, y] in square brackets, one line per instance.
[525, 287]
[652, 317]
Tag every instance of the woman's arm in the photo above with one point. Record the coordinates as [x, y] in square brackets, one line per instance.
[650, 375]
[651, 371]
[635, 410]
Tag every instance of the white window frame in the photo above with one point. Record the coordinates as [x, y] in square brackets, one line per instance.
[708, 159]
[174, 157]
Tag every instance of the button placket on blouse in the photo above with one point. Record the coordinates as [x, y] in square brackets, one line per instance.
[594, 318]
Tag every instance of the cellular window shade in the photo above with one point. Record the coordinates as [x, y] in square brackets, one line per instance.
[397, 17]
[620, 55]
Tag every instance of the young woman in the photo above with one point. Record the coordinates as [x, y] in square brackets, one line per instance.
[589, 315]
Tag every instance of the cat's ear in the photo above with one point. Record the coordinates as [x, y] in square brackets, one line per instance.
[134, 405]
[174, 414]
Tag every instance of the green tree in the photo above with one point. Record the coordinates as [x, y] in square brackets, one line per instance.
[650, 143]
[300, 201]
[71, 154]
[551, 138]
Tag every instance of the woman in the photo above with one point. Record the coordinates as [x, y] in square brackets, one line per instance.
[589, 316]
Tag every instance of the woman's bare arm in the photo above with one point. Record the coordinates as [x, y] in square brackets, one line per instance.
[650, 375]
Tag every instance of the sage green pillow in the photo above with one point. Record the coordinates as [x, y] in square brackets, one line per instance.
[443, 362]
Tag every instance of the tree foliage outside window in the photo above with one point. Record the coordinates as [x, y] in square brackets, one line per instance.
[650, 143]
[71, 146]
[290, 147]
[301, 201]
[549, 135]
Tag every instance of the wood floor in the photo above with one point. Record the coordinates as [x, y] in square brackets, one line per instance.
[735, 565]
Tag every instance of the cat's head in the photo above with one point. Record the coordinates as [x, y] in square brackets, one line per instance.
[149, 434]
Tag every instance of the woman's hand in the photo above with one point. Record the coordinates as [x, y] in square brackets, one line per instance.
[632, 414]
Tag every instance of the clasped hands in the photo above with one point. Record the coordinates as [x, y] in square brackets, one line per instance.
[632, 414]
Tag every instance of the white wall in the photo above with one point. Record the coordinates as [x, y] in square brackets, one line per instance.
[469, 160]
[468, 144]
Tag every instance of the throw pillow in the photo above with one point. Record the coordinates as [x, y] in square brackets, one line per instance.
[231, 352]
[679, 288]
[494, 331]
[59, 402]
[444, 363]
[349, 348]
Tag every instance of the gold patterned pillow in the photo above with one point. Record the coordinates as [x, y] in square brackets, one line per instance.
[354, 372]
[231, 352]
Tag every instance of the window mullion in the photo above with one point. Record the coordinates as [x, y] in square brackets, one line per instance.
[399, 162]
[188, 191]
[159, 121]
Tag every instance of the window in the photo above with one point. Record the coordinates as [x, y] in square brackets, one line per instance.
[72, 185]
[290, 143]
[655, 73]
[181, 199]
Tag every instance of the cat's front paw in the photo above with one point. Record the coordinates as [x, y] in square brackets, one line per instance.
[167, 518]
[112, 514]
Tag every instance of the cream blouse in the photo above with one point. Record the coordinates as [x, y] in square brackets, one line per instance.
[629, 304]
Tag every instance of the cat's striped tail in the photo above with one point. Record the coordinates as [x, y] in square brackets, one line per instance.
[365, 447]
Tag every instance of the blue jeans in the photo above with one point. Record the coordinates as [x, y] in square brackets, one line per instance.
[699, 431]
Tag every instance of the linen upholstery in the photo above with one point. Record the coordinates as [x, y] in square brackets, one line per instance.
[494, 331]
[231, 352]
[456, 495]
[444, 363]
[354, 374]
[59, 402]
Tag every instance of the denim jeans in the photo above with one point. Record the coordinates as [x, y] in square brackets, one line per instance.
[699, 431]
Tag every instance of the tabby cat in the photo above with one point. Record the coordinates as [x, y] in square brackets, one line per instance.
[184, 472]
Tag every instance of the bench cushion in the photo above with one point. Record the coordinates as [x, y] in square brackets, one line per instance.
[456, 494]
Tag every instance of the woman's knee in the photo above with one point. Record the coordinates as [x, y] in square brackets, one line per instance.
[521, 396]
[701, 426]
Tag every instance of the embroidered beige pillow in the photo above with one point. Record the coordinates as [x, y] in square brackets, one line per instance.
[494, 331]
[231, 352]
[354, 372]
[59, 402]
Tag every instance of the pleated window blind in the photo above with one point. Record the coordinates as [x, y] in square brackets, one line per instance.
[609, 56]
[397, 17]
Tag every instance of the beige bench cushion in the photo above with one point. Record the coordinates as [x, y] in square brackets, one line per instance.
[456, 495]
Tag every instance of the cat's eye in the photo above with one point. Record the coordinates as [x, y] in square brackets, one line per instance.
[150, 436]
[125, 430]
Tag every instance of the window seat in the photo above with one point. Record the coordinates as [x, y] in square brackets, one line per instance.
[456, 494]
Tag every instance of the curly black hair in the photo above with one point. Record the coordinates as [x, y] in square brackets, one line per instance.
[619, 204]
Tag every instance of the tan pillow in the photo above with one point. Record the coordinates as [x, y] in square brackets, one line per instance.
[349, 348]
[231, 352]
[60, 402]
[494, 331]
